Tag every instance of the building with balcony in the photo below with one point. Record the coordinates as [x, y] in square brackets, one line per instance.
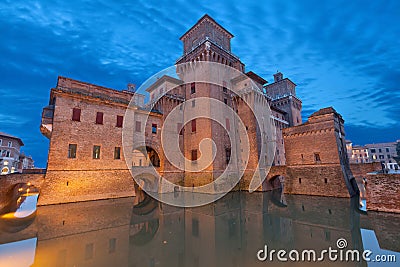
[10, 147]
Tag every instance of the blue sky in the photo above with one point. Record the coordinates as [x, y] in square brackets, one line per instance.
[343, 54]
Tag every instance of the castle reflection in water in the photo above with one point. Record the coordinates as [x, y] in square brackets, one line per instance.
[143, 232]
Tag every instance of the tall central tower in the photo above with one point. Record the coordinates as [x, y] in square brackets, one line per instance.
[207, 41]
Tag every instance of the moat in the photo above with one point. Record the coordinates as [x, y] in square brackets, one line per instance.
[140, 231]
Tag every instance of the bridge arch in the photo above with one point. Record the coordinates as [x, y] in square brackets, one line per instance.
[145, 156]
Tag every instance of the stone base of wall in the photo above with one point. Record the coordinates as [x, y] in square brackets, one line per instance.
[316, 180]
[74, 186]
[383, 192]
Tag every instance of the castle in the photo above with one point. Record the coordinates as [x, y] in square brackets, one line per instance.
[85, 122]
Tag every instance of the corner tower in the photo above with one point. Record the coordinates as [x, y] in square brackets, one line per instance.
[283, 94]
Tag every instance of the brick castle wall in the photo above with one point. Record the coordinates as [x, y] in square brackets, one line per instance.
[383, 192]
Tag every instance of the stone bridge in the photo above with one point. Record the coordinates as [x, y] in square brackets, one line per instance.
[9, 181]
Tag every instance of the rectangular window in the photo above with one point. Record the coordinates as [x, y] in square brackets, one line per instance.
[194, 154]
[96, 152]
[195, 227]
[227, 155]
[72, 151]
[387, 150]
[193, 103]
[89, 251]
[112, 243]
[179, 129]
[99, 118]
[76, 114]
[193, 125]
[9, 144]
[227, 124]
[226, 101]
[117, 153]
[192, 88]
[1, 142]
[224, 89]
[154, 128]
[138, 126]
[380, 150]
[373, 150]
[120, 120]
[317, 157]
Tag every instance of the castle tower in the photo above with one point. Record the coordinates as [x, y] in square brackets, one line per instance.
[207, 41]
[283, 94]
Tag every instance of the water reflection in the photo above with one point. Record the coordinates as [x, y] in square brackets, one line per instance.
[143, 232]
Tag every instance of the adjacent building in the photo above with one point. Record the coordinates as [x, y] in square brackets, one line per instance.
[11, 159]
[379, 152]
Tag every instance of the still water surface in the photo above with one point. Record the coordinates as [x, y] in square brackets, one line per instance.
[140, 232]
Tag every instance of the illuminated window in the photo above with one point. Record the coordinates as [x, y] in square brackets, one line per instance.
[96, 152]
[5, 170]
[72, 151]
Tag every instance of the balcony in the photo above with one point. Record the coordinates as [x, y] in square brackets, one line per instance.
[46, 125]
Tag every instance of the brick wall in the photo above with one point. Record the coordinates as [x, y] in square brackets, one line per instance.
[316, 181]
[361, 170]
[383, 192]
[316, 158]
